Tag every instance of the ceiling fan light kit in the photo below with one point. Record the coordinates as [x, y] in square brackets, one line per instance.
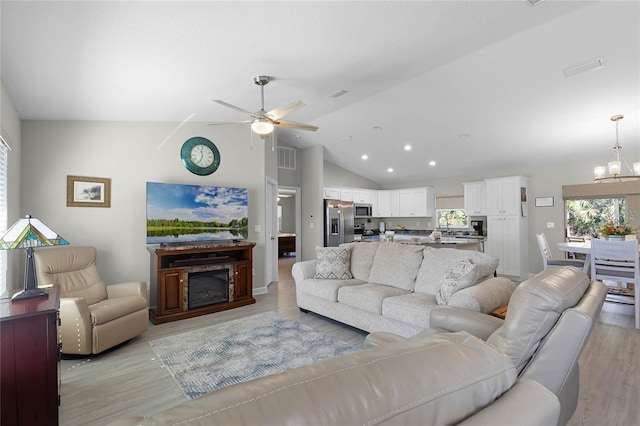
[261, 126]
[264, 122]
[614, 166]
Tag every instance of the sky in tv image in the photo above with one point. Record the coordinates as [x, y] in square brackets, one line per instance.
[196, 202]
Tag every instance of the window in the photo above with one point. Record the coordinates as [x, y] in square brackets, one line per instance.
[585, 216]
[3, 217]
[451, 218]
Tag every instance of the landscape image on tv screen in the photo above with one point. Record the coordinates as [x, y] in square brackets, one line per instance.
[179, 213]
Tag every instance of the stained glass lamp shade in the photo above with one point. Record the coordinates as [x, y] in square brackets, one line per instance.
[28, 233]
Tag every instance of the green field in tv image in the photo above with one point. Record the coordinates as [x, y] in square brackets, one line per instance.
[179, 213]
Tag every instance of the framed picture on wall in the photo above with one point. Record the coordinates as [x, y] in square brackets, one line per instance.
[544, 201]
[84, 191]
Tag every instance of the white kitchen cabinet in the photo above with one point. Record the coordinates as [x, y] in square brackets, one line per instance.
[475, 198]
[388, 203]
[346, 194]
[374, 203]
[416, 202]
[331, 193]
[507, 227]
[505, 195]
[362, 196]
[504, 241]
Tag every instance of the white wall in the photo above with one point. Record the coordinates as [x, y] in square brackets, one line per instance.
[312, 204]
[288, 214]
[337, 176]
[130, 154]
[11, 131]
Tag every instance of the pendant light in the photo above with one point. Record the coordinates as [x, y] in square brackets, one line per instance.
[617, 160]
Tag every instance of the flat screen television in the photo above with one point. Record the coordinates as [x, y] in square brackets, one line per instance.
[181, 214]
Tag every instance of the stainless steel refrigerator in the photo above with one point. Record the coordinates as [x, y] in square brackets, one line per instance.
[338, 222]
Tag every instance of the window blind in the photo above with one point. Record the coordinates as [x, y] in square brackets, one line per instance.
[3, 217]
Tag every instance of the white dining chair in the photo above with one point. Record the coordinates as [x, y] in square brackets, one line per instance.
[548, 261]
[618, 261]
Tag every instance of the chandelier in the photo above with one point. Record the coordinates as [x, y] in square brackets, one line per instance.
[614, 166]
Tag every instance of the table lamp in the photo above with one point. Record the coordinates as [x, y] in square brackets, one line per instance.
[28, 233]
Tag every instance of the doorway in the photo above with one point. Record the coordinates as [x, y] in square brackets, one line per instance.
[289, 224]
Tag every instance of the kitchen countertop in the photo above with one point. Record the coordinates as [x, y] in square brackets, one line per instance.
[409, 239]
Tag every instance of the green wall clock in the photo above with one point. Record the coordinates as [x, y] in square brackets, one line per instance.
[200, 156]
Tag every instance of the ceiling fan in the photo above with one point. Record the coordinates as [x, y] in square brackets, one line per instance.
[263, 122]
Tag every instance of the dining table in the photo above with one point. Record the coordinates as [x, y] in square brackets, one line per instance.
[582, 247]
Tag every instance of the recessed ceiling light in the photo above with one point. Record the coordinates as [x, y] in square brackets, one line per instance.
[377, 128]
[463, 135]
[407, 147]
[432, 163]
[364, 156]
[345, 138]
[390, 170]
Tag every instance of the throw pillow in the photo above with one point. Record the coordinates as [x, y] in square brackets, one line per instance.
[438, 261]
[463, 274]
[333, 263]
[396, 265]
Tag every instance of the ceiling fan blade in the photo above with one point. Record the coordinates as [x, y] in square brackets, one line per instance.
[294, 125]
[242, 110]
[283, 110]
[229, 122]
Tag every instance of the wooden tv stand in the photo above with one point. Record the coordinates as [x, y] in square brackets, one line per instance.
[170, 266]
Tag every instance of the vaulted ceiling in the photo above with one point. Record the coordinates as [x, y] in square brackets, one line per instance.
[471, 85]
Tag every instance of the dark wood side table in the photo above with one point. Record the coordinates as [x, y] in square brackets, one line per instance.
[29, 361]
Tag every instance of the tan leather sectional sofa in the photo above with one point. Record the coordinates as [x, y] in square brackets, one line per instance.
[521, 371]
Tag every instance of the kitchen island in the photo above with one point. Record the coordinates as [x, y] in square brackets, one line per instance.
[475, 243]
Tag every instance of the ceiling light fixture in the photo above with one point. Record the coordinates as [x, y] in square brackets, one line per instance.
[390, 170]
[432, 163]
[261, 126]
[407, 147]
[614, 165]
[377, 128]
[364, 156]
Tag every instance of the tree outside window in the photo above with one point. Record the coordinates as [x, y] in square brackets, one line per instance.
[586, 216]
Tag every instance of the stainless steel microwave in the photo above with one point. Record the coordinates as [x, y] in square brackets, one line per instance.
[363, 210]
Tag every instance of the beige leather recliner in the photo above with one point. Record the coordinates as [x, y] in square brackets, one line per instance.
[93, 316]
[548, 324]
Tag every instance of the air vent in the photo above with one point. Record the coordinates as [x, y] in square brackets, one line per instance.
[590, 65]
[337, 93]
[286, 158]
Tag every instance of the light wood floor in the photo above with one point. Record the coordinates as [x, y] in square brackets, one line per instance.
[130, 380]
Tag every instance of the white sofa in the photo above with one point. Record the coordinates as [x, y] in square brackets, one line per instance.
[393, 287]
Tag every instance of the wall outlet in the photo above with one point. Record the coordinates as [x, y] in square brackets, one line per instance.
[311, 225]
[551, 225]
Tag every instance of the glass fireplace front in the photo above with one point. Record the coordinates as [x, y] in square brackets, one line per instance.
[208, 287]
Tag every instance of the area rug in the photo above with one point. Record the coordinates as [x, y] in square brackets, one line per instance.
[206, 359]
